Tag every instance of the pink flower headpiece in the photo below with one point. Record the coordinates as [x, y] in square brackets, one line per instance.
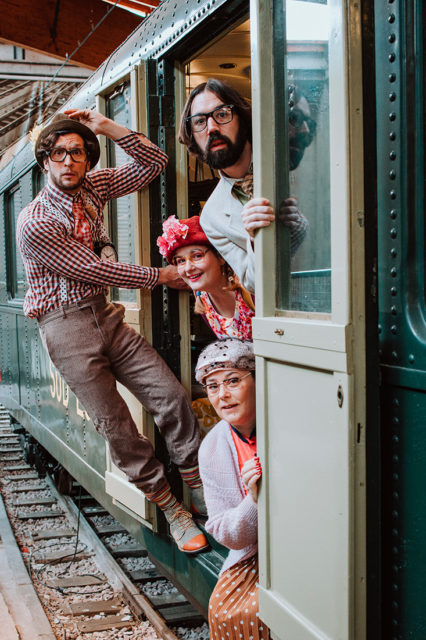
[173, 230]
[180, 233]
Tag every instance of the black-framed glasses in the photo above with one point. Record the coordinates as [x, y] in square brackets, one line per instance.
[221, 115]
[297, 117]
[230, 383]
[58, 154]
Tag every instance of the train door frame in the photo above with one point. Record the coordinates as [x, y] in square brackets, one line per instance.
[289, 338]
[139, 316]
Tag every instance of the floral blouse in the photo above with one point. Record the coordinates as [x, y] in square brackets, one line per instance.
[237, 327]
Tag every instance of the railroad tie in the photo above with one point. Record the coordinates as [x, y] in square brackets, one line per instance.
[37, 515]
[103, 624]
[49, 534]
[76, 581]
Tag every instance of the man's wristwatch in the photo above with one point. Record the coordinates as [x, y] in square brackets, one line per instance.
[106, 251]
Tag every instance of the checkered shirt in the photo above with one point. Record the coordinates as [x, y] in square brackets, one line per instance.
[50, 252]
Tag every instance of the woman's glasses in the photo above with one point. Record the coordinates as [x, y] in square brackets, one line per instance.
[195, 257]
[229, 383]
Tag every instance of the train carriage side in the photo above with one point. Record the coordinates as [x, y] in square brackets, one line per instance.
[140, 95]
[316, 337]
[400, 94]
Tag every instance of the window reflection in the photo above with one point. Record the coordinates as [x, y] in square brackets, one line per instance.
[121, 212]
[309, 154]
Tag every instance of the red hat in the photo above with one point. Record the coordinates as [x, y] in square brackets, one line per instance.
[180, 233]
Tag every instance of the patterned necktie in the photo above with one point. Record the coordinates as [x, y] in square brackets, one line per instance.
[82, 231]
[243, 189]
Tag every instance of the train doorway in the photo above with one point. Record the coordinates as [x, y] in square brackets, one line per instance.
[308, 331]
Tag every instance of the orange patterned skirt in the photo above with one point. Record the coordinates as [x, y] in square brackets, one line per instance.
[234, 604]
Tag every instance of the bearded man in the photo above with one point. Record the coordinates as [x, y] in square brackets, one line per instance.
[216, 127]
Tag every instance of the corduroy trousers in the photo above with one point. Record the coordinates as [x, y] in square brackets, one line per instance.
[93, 348]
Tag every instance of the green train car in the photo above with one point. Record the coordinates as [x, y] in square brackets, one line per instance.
[340, 329]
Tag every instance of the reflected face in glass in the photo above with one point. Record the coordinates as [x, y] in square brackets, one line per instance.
[301, 131]
[234, 402]
[200, 267]
[67, 175]
[220, 145]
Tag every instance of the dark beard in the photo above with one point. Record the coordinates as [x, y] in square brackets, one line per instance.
[298, 144]
[227, 157]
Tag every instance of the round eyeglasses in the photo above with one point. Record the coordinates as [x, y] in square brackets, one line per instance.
[221, 115]
[195, 257]
[58, 154]
[229, 383]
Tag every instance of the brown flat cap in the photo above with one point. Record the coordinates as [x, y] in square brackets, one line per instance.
[62, 124]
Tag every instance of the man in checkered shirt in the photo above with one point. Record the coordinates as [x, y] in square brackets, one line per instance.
[216, 128]
[70, 262]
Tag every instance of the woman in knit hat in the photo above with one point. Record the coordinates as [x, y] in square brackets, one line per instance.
[226, 306]
[230, 470]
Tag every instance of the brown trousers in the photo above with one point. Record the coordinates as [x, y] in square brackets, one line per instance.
[93, 348]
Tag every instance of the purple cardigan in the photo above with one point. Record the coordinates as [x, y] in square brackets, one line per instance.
[232, 514]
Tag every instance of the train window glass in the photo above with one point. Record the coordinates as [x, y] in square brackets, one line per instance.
[308, 127]
[15, 266]
[121, 210]
[39, 180]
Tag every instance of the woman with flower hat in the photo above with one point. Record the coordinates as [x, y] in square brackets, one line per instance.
[230, 470]
[226, 306]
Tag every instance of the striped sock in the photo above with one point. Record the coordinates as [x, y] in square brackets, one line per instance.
[163, 498]
[191, 475]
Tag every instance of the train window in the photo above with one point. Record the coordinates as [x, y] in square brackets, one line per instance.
[39, 180]
[307, 107]
[307, 81]
[121, 210]
[15, 266]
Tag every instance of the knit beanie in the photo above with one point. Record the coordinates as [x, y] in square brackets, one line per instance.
[229, 353]
[180, 233]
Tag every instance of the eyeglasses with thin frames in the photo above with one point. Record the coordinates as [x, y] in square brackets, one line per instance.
[195, 258]
[230, 383]
[58, 154]
[221, 115]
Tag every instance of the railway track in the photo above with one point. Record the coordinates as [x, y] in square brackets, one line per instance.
[90, 575]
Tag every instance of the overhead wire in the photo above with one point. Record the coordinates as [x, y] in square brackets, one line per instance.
[69, 57]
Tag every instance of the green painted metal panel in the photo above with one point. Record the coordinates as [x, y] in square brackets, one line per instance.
[402, 326]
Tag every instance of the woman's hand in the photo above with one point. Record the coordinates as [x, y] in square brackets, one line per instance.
[250, 475]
